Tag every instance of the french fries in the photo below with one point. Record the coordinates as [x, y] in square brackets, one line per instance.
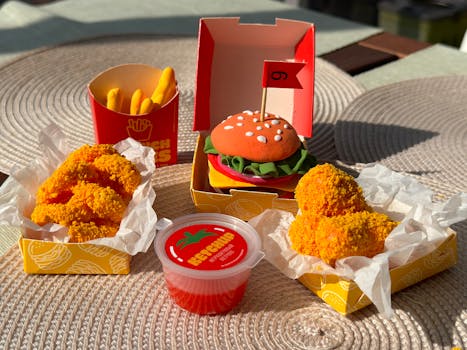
[140, 104]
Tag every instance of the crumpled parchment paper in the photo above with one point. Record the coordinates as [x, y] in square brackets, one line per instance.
[17, 195]
[423, 226]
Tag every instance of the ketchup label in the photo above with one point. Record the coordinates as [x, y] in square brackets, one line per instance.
[206, 247]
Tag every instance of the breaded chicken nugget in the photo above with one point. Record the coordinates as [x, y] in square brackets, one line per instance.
[57, 188]
[48, 213]
[327, 191]
[88, 193]
[302, 234]
[96, 202]
[119, 173]
[88, 154]
[353, 234]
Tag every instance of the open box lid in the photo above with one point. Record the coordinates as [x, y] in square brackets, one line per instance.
[229, 73]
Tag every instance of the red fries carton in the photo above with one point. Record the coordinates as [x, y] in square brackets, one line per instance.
[157, 129]
[231, 58]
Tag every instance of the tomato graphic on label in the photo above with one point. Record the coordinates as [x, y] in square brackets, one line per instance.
[193, 238]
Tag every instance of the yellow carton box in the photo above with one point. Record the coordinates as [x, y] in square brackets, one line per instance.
[44, 257]
[346, 297]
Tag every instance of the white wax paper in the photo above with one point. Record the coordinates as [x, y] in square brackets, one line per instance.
[17, 195]
[423, 226]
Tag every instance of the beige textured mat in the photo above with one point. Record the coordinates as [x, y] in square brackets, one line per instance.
[135, 312]
[417, 126]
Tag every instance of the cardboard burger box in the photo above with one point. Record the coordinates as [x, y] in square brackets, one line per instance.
[230, 63]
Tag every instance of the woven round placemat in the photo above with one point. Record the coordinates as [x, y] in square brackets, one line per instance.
[50, 85]
[415, 126]
[134, 311]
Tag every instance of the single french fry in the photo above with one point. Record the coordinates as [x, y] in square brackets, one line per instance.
[136, 100]
[172, 89]
[114, 99]
[158, 98]
[161, 91]
[146, 106]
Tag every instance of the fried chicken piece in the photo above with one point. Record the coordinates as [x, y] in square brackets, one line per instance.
[95, 202]
[85, 231]
[50, 213]
[302, 234]
[88, 193]
[77, 167]
[327, 191]
[88, 153]
[57, 188]
[88, 202]
[118, 173]
[353, 234]
[335, 220]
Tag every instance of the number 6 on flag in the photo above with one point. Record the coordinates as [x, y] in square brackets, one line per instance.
[282, 74]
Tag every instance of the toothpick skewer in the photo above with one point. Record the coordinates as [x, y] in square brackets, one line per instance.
[263, 104]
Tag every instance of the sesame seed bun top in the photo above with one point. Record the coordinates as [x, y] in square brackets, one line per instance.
[245, 135]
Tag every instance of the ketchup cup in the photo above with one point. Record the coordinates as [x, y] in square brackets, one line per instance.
[207, 259]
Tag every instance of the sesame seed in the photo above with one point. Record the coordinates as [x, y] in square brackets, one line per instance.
[259, 128]
[228, 127]
[275, 122]
[267, 125]
[239, 124]
[279, 131]
[262, 139]
[240, 117]
[229, 117]
[287, 126]
[248, 112]
[255, 120]
[266, 114]
[249, 133]
[277, 137]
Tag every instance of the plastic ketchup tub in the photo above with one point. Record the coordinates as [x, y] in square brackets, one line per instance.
[207, 259]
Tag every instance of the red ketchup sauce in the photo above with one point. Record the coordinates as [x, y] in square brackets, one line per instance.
[207, 265]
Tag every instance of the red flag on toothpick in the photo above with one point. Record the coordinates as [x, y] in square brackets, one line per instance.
[282, 74]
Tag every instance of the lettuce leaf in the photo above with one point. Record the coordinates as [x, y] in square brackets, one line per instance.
[298, 163]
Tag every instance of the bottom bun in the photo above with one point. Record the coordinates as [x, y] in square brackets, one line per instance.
[223, 177]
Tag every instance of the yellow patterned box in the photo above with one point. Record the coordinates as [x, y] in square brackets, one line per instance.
[43, 257]
[346, 297]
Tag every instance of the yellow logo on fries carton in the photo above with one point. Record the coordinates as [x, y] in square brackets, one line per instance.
[139, 129]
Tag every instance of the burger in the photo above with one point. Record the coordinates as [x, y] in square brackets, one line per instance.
[246, 151]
